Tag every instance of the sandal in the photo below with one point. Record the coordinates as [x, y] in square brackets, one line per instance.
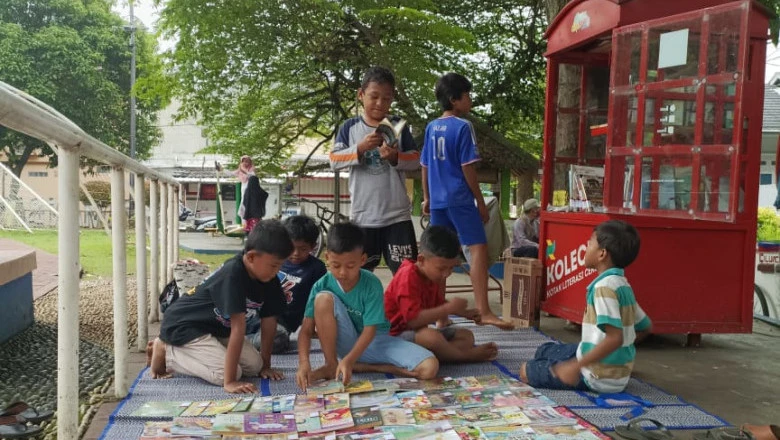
[725, 433]
[17, 427]
[29, 413]
[633, 431]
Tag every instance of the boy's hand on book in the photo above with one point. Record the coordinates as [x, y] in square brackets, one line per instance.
[302, 376]
[240, 387]
[344, 371]
[388, 153]
[371, 141]
[567, 372]
[270, 373]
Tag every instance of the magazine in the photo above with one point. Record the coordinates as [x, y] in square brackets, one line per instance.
[336, 419]
[269, 423]
[220, 407]
[228, 424]
[191, 426]
[367, 417]
[168, 409]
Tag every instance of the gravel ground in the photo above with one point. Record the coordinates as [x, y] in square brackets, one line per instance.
[28, 366]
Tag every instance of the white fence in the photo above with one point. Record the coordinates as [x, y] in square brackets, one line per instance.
[25, 114]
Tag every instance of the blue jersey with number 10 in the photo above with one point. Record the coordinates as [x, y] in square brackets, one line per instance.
[449, 145]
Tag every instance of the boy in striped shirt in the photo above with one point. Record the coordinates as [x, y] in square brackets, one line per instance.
[613, 321]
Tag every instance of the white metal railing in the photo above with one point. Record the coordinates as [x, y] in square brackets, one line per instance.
[26, 114]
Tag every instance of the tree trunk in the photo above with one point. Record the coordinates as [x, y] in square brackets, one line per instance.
[22, 161]
[525, 189]
[553, 8]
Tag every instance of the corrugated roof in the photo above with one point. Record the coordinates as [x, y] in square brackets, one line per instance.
[771, 110]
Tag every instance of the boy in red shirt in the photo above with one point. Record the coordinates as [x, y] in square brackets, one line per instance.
[414, 299]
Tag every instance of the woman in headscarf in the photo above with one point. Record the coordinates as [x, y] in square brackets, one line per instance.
[525, 232]
[253, 203]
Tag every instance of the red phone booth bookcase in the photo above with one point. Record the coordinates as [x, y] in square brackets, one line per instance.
[653, 116]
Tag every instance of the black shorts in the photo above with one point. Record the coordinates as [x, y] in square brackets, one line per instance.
[396, 242]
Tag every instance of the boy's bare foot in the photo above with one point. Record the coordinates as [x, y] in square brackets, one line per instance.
[157, 361]
[522, 374]
[485, 352]
[491, 319]
[763, 432]
[383, 368]
[149, 347]
[324, 372]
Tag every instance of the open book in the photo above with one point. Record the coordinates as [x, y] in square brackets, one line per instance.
[391, 132]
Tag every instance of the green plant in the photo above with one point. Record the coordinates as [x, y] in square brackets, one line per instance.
[768, 225]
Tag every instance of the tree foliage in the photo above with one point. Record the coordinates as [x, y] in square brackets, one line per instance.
[74, 55]
[262, 73]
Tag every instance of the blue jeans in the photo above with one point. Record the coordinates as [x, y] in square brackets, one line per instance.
[539, 370]
[384, 349]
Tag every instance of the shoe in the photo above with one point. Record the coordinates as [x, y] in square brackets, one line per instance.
[29, 413]
[633, 431]
[16, 427]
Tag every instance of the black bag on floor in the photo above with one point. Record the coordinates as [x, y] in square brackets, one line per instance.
[169, 295]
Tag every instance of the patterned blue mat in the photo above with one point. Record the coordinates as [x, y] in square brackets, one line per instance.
[515, 347]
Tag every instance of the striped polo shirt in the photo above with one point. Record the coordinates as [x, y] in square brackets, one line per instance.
[610, 301]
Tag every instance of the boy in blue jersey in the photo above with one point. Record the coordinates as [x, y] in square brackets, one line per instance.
[298, 274]
[347, 308]
[450, 187]
[613, 321]
[377, 176]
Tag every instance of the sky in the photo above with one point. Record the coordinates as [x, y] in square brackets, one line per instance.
[148, 13]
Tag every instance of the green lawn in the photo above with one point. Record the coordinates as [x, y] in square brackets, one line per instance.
[95, 249]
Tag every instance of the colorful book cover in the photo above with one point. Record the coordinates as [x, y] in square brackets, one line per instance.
[562, 432]
[168, 409]
[528, 399]
[290, 436]
[449, 434]
[336, 401]
[272, 423]
[220, 407]
[308, 421]
[243, 405]
[304, 403]
[471, 399]
[469, 383]
[284, 403]
[507, 433]
[442, 399]
[397, 416]
[562, 410]
[380, 398]
[433, 431]
[366, 417]
[414, 399]
[319, 436]
[157, 429]
[468, 432]
[191, 426]
[513, 415]
[262, 405]
[228, 424]
[196, 408]
[427, 415]
[490, 381]
[360, 386]
[365, 434]
[547, 415]
[324, 387]
[480, 417]
[336, 419]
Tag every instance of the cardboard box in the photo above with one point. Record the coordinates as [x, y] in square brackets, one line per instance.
[522, 295]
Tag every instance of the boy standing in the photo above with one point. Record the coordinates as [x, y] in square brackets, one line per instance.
[613, 320]
[450, 187]
[202, 334]
[415, 298]
[376, 173]
[298, 274]
[346, 306]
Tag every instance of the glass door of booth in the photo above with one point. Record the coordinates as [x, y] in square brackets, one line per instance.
[676, 138]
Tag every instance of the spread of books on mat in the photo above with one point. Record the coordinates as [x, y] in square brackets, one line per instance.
[488, 407]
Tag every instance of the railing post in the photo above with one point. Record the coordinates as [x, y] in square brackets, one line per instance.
[176, 229]
[119, 254]
[140, 262]
[163, 235]
[154, 250]
[172, 220]
[68, 296]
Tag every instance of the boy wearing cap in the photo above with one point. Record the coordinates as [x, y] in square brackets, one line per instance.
[525, 232]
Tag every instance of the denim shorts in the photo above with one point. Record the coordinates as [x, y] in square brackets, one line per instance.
[464, 220]
[384, 349]
[539, 370]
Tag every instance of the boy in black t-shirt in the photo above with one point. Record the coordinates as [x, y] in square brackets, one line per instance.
[298, 274]
[202, 334]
